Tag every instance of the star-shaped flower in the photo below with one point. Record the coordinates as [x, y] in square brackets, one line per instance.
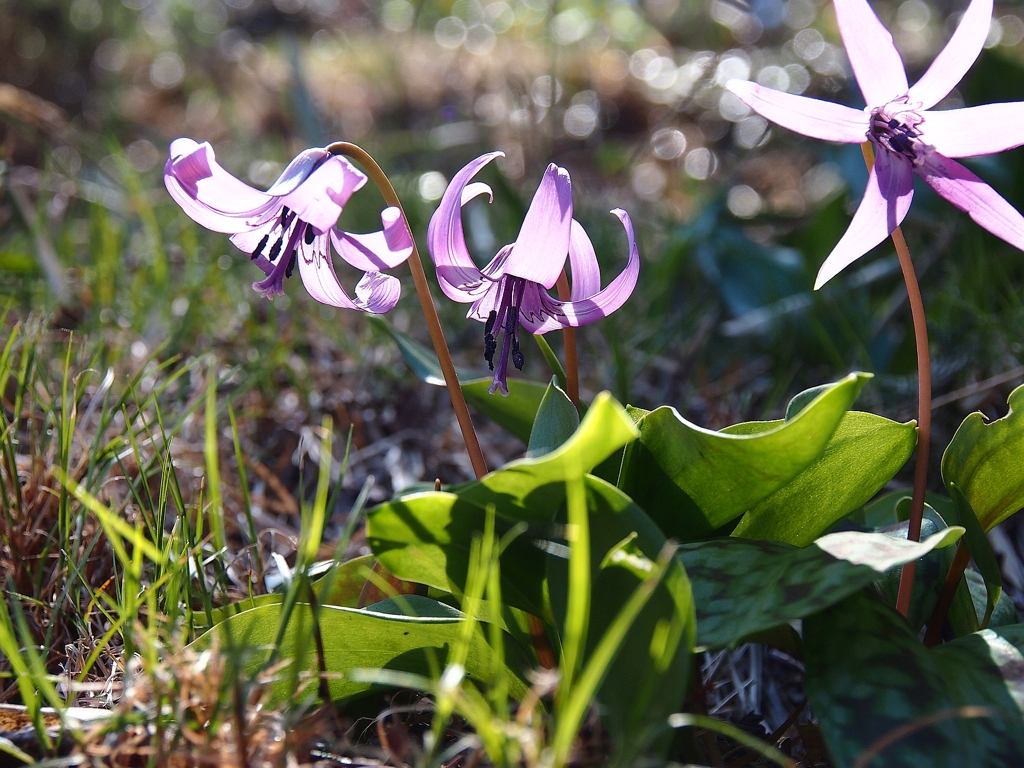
[908, 135]
[293, 223]
[513, 289]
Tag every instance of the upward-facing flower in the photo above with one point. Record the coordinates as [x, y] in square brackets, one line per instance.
[513, 289]
[293, 223]
[908, 135]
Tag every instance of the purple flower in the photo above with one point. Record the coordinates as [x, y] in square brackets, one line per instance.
[293, 223]
[908, 136]
[513, 289]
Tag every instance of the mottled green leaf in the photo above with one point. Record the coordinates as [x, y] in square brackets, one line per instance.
[366, 638]
[742, 587]
[861, 456]
[984, 460]
[874, 686]
[718, 476]
[981, 551]
[556, 420]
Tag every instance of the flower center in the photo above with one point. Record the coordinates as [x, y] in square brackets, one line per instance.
[894, 127]
[283, 253]
[504, 318]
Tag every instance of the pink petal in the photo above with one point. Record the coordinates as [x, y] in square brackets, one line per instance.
[375, 292]
[810, 117]
[956, 58]
[974, 131]
[320, 198]
[207, 193]
[885, 204]
[876, 62]
[539, 313]
[972, 195]
[586, 275]
[297, 170]
[539, 252]
[446, 242]
[375, 251]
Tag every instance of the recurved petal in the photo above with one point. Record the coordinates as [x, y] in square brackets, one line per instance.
[297, 171]
[375, 292]
[375, 251]
[539, 252]
[975, 131]
[876, 63]
[446, 241]
[810, 117]
[884, 205]
[320, 199]
[540, 313]
[956, 58]
[206, 192]
[586, 274]
[972, 195]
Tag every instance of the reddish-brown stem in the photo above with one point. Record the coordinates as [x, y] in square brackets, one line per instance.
[956, 571]
[924, 399]
[451, 378]
[572, 370]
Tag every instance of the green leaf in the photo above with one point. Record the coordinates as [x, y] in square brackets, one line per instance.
[647, 680]
[359, 639]
[984, 460]
[516, 413]
[874, 686]
[981, 551]
[556, 420]
[1004, 613]
[742, 587]
[692, 480]
[861, 456]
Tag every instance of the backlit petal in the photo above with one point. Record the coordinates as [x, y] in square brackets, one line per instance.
[972, 195]
[321, 197]
[207, 193]
[446, 241]
[810, 117]
[375, 251]
[539, 252]
[297, 171]
[375, 292]
[956, 58]
[876, 62]
[975, 131]
[541, 313]
[885, 204]
[586, 275]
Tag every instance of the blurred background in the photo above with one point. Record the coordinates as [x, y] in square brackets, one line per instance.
[734, 216]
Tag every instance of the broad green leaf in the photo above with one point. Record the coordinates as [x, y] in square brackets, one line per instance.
[861, 456]
[742, 587]
[869, 679]
[556, 421]
[647, 680]
[984, 460]
[1004, 612]
[717, 476]
[516, 413]
[882, 511]
[357, 639]
[981, 551]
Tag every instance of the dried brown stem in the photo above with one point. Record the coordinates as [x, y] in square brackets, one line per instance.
[924, 399]
[451, 378]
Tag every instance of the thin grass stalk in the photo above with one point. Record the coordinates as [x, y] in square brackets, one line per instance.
[924, 399]
[451, 378]
[572, 371]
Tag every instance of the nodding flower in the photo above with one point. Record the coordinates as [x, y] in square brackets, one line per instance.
[512, 291]
[293, 223]
[909, 136]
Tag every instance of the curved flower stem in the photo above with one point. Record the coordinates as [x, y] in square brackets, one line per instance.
[451, 378]
[924, 399]
[572, 371]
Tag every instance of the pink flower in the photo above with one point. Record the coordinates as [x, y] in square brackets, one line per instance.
[908, 135]
[293, 223]
[512, 290]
